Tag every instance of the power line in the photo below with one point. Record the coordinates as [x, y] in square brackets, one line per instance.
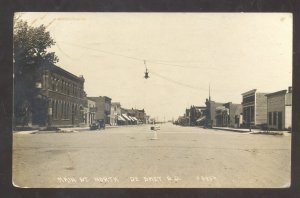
[129, 57]
[103, 51]
[176, 82]
[140, 59]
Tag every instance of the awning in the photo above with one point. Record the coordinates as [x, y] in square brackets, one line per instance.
[121, 118]
[125, 116]
[200, 119]
[135, 119]
[131, 118]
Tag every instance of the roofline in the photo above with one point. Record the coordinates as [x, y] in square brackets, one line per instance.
[277, 93]
[249, 92]
[53, 66]
[94, 97]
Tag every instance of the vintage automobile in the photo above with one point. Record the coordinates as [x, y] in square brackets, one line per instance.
[98, 124]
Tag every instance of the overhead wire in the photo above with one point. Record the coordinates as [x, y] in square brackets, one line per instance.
[144, 60]
[130, 57]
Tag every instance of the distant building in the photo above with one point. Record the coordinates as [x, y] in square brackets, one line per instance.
[59, 99]
[89, 112]
[147, 119]
[140, 114]
[279, 107]
[125, 115]
[254, 108]
[228, 115]
[196, 113]
[103, 108]
[115, 113]
[187, 117]
[210, 112]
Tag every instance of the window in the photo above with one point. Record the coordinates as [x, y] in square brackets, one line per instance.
[252, 113]
[56, 110]
[56, 85]
[62, 110]
[53, 84]
[249, 99]
[274, 118]
[67, 111]
[52, 108]
[270, 118]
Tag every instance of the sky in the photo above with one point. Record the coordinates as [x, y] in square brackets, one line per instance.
[185, 54]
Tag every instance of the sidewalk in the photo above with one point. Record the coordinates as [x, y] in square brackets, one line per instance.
[68, 129]
[236, 129]
[253, 131]
[26, 132]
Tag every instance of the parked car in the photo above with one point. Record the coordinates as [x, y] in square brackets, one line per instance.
[98, 124]
[94, 126]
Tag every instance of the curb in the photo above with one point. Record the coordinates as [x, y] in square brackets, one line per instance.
[232, 130]
[25, 132]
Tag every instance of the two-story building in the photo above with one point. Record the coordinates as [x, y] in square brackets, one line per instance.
[116, 114]
[279, 108]
[254, 108]
[103, 108]
[89, 112]
[60, 98]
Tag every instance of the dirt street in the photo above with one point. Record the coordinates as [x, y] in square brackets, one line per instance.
[127, 157]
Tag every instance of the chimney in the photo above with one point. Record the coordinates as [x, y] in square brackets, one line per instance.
[290, 89]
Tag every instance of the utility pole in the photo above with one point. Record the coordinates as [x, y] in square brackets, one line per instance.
[209, 91]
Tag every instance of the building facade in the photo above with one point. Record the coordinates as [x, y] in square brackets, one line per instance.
[140, 114]
[103, 108]
[115, 113]
[195, 114]
[211, 112]
[89, 112]
[60, 98]
[254, 108]
[228, 115]
[279, 108]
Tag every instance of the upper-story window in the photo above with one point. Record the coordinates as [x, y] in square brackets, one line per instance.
[68, 88]
[73, 89]
[53, 83]
[62, 86]
[56, 84]
[248, 99]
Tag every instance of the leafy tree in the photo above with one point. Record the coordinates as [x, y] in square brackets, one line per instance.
[30, 55]
[30, 44]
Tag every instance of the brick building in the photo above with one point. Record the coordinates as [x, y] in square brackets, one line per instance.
[60, 98]
[254, 108]
[279, 108]
[103, 108]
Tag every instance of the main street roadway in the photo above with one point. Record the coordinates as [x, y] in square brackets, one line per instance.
[181, 157]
